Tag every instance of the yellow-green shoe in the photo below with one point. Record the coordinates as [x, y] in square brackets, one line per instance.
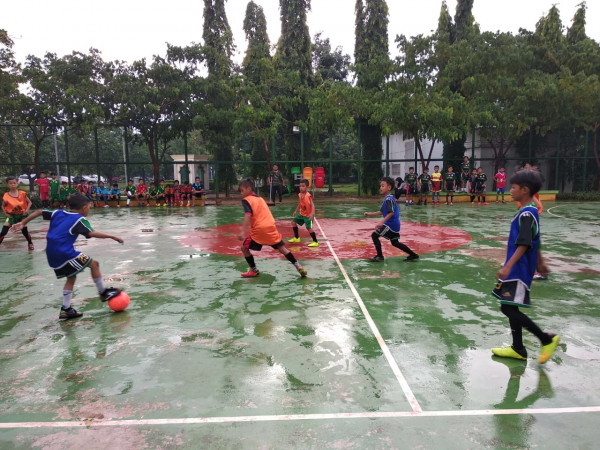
[507, 352]
[292, 240]
[302, 271]
[313, 244]
[548, 350]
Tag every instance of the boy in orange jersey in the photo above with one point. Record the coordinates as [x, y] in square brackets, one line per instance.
[259, 229]
[15, 205]
[305, 216]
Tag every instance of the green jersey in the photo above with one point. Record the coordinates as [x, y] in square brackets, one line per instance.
[161, 189]
[54, 185]
[424, 178]
[411, 179]
[450, 177]
[130, 189]
[153, 192]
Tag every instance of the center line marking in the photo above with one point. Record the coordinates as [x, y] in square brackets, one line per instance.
[386, 351]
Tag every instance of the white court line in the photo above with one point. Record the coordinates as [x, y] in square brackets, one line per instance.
[91, 423]
[568, 218]
[386, 351]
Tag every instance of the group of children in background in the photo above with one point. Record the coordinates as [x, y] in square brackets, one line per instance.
[56, 193]
[472, 181]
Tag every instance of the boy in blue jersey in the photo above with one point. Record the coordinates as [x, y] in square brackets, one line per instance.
[67, 262]
[522, 257]
[389, 226]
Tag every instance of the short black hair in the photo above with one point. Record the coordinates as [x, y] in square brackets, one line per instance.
[304, 181]
[78, 201]
[10, 178]
[411, 168]
[115, 184]
[528, 178]
[388, 181]
[436, 166]
[248, 183]
[53, 173]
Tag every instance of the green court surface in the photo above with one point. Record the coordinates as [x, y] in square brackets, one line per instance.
[356, 355]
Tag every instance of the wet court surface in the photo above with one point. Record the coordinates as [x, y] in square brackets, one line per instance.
[357, 355]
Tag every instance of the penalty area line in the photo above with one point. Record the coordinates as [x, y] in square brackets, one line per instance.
[93, 423]
[384, 348]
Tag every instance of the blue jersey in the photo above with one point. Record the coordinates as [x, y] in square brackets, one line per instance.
[64, 229]
[524, 230]
[116, 191]
[389, 205]
[198, 186]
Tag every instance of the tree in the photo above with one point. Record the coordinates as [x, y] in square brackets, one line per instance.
[293, 66]
[329, 65]
[372, 66]
[215, 113]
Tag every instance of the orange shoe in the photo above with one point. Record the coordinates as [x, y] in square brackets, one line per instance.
[251, 273]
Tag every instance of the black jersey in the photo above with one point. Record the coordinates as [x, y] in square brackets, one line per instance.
[411, 179]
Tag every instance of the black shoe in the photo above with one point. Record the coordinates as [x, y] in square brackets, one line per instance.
[69, 313]
[109, 293]
[411, 257]
[376, 259]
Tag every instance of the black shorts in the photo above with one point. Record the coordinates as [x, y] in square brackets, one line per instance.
[449, 187]
[465, 176]
[424, 189]
[512, 292]
[386, 233]
[253, 245]
[411, 190]
[73, 266]
[198, 195]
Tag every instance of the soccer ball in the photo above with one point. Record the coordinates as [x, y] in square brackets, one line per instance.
[119, 302]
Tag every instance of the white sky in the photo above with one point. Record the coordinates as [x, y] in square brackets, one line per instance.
[133, 29]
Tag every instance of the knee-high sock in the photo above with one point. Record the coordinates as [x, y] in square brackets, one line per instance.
[25, 232]
[250, 261]
[313, 236]
[402, 247]
[518, 321]
[377, 244]
[290, 257]
[296, 235]
[67, 295]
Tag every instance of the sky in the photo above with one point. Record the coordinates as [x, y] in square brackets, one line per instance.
[129, 30]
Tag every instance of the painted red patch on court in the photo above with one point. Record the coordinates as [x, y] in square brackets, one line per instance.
[350, 239]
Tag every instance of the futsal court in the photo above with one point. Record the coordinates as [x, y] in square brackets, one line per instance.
[356, 355]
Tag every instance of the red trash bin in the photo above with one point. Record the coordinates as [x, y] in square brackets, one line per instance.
[319, 177]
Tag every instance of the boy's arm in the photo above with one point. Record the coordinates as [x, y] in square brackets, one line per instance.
[384, 220]
[503, 273]
[371, 214]
[245, 227]
[4, 210]
[19, 226]
[312, 210]
[98, 234]
[28, 206]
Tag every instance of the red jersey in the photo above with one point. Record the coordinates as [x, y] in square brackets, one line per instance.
[141, 189]
[83, 188]
[44, 184]
[186, 189]
[500, 178]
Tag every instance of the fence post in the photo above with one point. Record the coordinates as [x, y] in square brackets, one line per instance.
[330, 166]
[359, 159]
[97, 155]
[185, 150]
[387, 156]
[585, 155]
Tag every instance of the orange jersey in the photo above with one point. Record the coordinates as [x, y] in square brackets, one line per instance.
[262, 224]
[15, 205]
[305, 204]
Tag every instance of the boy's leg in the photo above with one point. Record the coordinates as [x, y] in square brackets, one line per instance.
[250, 260]
[451, 197]
[411, 255]
[104, 292]
[497, 194]
[4, 232]
[377, 244]
[447, 195]
[313, 235]
[296, 237]
[25, 232]
[66, 312]
[290, 257]
[518, 321]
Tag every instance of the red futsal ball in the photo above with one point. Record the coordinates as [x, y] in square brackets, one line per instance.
[119, 302]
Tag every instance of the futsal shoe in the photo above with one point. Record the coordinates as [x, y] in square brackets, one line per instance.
[485, 203]
[30, 247]
[313, 244]
[69, 313]
[294, 240]
[251, 273]
[302, 271]
[548, 350]
[508, 352]
[539, 276]
[109, 293]
[376, 259]
[411, 257]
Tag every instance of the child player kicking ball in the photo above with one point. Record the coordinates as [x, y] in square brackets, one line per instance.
[259, 229]
[305, 216]
[65, 227]
[514, 279]
[389, 226]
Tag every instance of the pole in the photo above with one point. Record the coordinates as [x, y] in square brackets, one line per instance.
[185, 150]
[387, 156]
[67, 156]
[359, 158]
[330, 166]
[301, 149]
[124, 151]
[556, 165]
[473, 148]
[56, 156]
[97, 154]
[585, 155]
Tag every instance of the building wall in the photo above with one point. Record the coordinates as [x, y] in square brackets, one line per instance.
[402, 155]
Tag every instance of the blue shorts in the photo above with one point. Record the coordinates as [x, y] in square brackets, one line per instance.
[500, 190]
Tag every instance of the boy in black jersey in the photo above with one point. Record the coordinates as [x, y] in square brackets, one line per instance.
[411, 185]
[480, 186]
[424, 181]
[465, 168]
[450, 181]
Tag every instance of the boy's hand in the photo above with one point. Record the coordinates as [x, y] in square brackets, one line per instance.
[118, 239]
[16, 227]
[502, 273]
[366, 214]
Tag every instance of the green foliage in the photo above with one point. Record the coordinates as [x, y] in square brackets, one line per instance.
[329, 65]
[218, 39]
